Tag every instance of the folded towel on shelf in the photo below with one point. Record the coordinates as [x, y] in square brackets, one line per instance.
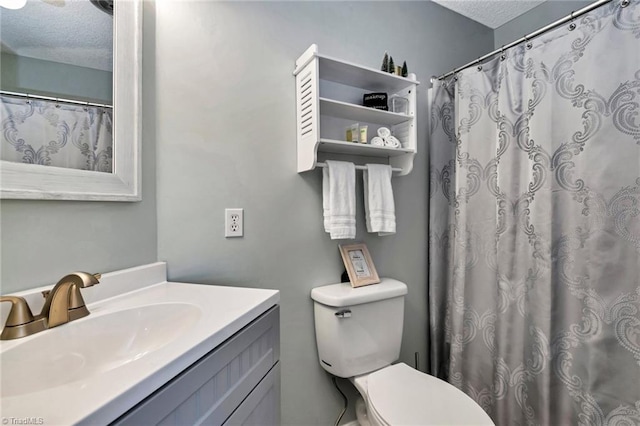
[339, 199]
[379, 205]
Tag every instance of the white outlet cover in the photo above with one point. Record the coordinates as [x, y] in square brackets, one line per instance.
[233, 223]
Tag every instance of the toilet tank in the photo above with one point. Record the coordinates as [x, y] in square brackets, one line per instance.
[358, 330]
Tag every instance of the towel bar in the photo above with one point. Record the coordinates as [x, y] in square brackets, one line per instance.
[323, 165]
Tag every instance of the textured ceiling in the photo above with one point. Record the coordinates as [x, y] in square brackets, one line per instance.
[76, 32]
[492, 13]
[68, 31]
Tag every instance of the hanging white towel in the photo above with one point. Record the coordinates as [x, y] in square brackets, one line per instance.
[339, 199]
[379, 206]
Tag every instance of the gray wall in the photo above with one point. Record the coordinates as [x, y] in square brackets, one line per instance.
[41, 241]
[37, 76]
[535, 19]
[219, 104]
[225, 131]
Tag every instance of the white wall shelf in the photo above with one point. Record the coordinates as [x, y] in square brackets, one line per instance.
[315, 107]
[361, 149]
[350, 74]
[359, 113]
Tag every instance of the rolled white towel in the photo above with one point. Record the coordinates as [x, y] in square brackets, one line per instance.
[377, 141]
[384, 132]
[392, 142]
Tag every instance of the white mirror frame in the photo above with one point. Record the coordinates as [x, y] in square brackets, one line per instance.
[38, 182]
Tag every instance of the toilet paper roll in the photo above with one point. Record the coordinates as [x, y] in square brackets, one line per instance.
[377, 141]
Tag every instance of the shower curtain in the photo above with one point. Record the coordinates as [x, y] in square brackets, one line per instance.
[56, 134]
[534, 261]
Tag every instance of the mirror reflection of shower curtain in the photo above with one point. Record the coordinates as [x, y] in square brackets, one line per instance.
[534, 239]
[56, 134]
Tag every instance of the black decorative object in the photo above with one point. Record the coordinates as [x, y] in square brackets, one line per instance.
[344, 278]
[385, 63]
[392, 66]
[376, 101]
[405, 71]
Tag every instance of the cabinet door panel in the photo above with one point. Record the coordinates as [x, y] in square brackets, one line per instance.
[262, 406]
[213, 387]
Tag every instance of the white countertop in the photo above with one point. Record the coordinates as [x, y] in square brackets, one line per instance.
[102, 398]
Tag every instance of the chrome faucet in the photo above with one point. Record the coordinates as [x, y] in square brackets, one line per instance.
[63, 304]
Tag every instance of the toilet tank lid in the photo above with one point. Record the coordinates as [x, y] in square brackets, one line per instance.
[342, 294]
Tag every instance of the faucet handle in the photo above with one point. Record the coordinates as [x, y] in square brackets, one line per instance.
[75, 298]
[20, 312]
[20, 322]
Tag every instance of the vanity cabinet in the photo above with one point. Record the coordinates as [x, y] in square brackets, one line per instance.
[237, 383]
[329, 94]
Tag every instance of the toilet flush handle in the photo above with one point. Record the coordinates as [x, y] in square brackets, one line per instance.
[345, 313]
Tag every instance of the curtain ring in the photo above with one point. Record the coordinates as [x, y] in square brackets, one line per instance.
[479, 65]
[57, 103]
[625, 3]
[502, 55]
[28, 100]
[572, 25]
[528, 45]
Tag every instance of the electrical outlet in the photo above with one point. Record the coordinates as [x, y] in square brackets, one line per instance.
[233, 221]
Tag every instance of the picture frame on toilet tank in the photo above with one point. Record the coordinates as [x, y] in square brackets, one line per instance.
[359, 264]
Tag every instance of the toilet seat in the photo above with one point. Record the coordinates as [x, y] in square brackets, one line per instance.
[399, 395]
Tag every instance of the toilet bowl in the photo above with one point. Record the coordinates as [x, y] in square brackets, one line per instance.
[400, 395]
[358, 334]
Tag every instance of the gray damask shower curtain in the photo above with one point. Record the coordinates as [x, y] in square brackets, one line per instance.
[534, 284]
[56, 134]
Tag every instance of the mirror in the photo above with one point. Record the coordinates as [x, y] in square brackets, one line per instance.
[56, 84]
[70, 120]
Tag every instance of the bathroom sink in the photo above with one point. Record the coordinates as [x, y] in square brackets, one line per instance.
[142, 332]
[85, 348]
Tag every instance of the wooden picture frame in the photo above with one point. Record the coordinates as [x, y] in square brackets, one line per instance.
[359, 264]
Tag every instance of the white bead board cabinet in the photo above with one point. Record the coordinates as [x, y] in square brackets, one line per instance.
[237, 383]
[329, 98]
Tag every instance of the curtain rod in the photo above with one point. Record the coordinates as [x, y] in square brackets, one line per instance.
[49, 98]
[573, 15]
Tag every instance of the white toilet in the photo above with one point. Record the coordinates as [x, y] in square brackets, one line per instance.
[358, 333]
